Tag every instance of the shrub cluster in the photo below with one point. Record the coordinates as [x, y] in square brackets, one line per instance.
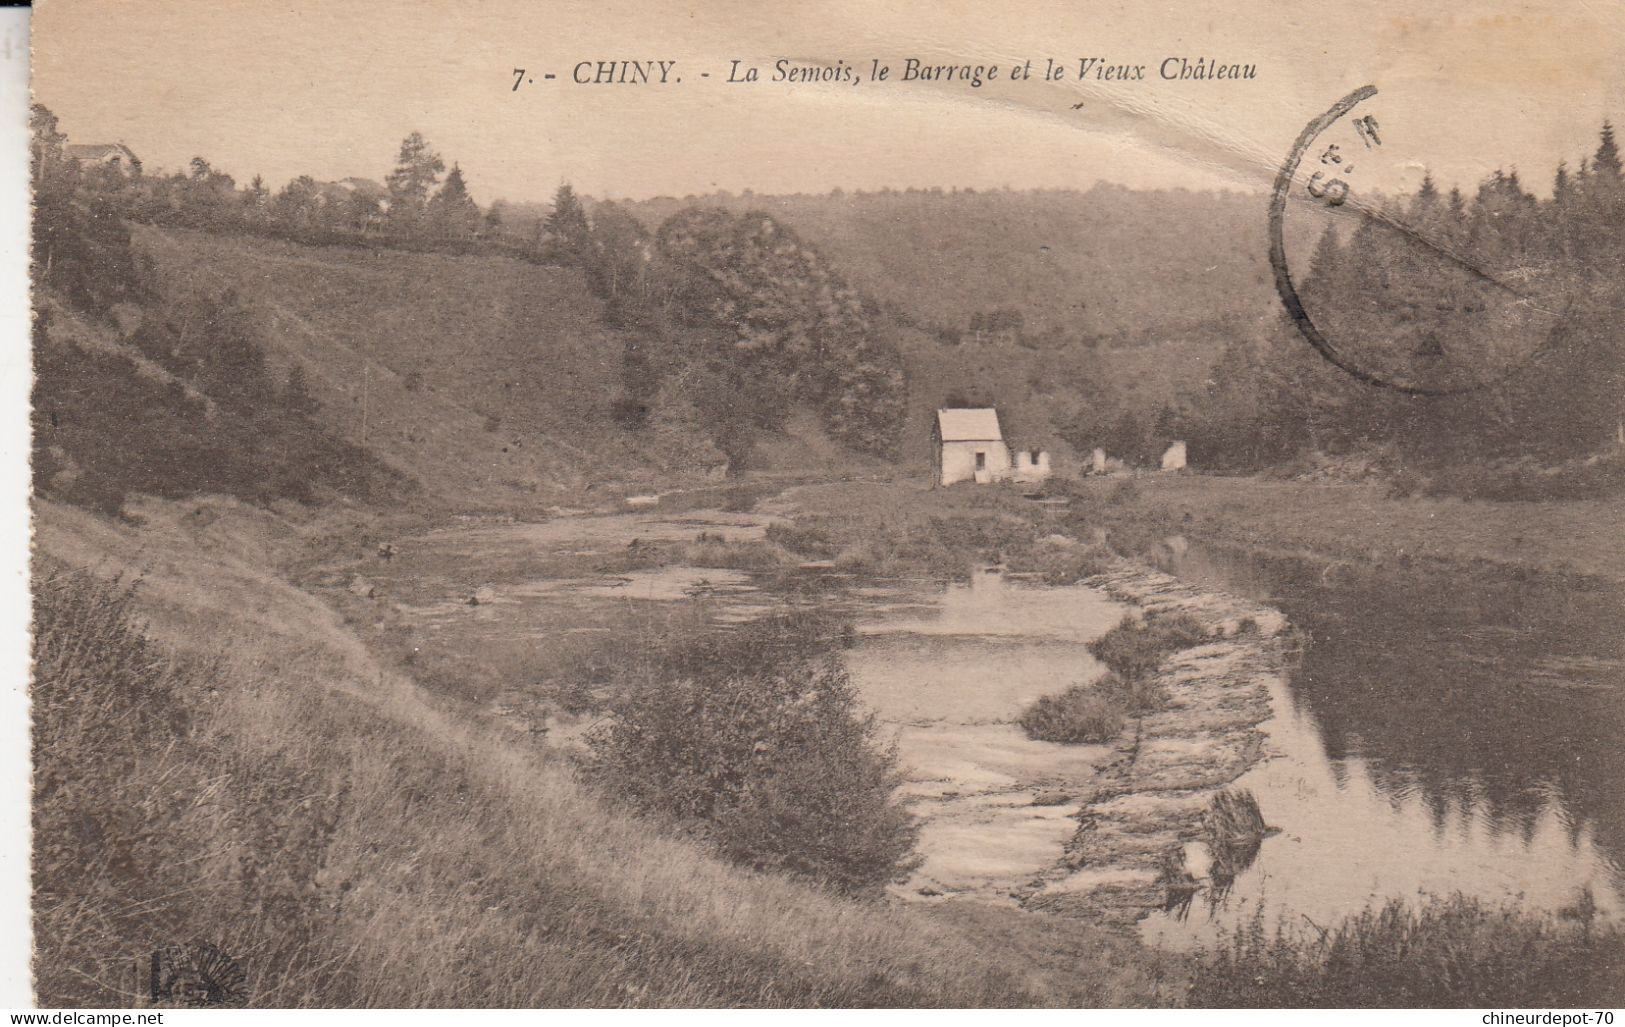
[1134, 647]
[1131, 651]
[755, 738]
[104, 429]
[1079, 714]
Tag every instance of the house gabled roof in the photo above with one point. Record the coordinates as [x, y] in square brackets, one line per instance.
[969, 425]
[99, 151]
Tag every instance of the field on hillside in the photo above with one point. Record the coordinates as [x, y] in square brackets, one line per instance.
[483, 377]
[489, 379]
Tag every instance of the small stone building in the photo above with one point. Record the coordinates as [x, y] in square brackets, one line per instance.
[1173, 458]
[967, 444]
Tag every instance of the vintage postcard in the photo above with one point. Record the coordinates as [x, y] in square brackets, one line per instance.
[1067, 504]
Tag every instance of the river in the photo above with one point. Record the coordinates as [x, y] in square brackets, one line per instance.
[1441, 733]
[1437, 734]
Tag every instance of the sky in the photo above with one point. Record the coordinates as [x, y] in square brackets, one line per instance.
[329, 89]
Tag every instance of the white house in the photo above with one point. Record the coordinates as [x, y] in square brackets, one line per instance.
[968, 445]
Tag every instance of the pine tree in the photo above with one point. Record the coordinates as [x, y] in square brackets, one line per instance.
[296, 395]
[1606, 163]
[417, 169]
[1457, 205]
[452, 212]
[1427, 196]
[1326, 265]
[46, 140]
[568, 223]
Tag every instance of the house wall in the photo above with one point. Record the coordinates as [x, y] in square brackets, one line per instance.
[1173, 459]
[1031, 468]
[959, 461]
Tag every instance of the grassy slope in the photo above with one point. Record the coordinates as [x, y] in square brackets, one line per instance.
[467, 868]
[491, 338]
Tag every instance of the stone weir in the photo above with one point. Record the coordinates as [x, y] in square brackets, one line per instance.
[1142, 843]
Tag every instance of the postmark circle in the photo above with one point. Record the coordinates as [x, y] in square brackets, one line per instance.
[1344, 353]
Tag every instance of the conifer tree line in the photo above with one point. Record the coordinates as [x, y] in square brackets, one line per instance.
[1517, 296]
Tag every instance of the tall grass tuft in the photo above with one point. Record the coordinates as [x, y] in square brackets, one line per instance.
[1234, 829]
[1444, 952]
[147, 833]
[1134, 648]
[1079, 714]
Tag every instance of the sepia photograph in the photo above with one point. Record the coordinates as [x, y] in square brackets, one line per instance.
[583, 505]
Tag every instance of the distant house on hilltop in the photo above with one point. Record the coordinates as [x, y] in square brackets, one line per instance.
[363, 200]
[366, 189]
[967, 444]
[115, 155]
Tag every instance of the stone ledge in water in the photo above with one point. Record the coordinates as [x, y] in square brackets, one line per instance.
[1151, 799]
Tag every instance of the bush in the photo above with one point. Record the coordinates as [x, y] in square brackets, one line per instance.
[1138, 696]
[1079, 714]
[1133, 648]
[759, 742]
[1451, 953]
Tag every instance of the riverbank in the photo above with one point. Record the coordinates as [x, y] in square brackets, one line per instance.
[441, 859]
[1360, 524]
[450, 835]
[1088, 830]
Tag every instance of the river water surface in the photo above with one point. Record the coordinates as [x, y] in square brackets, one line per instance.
[1440, 734]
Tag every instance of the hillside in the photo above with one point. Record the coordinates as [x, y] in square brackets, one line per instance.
[357, 842]
[1127, 298]
[479, 376]
[1107, 262]
[488, 377]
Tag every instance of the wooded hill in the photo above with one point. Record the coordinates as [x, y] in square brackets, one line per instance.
[1112, 265]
